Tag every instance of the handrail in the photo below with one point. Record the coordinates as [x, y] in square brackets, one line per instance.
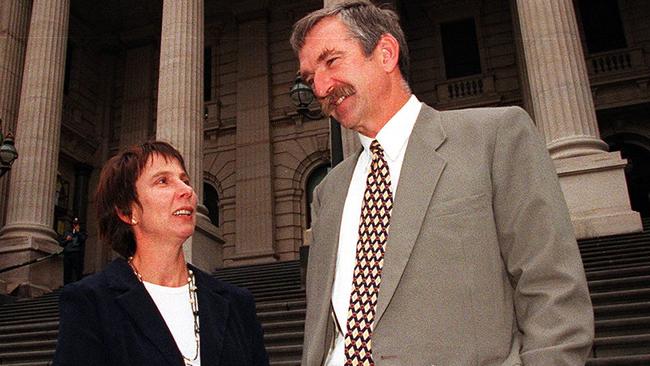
[29, 262]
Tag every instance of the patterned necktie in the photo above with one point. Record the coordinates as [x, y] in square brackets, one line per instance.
[373, 233]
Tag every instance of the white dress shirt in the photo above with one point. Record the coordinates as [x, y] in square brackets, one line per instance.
[393, 138]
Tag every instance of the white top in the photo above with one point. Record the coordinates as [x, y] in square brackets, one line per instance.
[174, 305]
[393, 138]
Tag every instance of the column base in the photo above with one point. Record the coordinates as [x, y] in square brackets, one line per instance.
[596, 193]
[34, 279]
[205, 248]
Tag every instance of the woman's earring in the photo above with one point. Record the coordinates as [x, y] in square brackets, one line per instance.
[134, 221]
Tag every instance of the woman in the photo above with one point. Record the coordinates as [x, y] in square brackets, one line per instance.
[151, 307]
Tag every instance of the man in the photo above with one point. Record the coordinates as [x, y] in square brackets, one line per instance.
[73, 242]
[464, 253]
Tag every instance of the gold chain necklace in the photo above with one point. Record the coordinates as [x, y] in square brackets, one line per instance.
[194, 304]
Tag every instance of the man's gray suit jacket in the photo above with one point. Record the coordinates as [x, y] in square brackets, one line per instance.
[481, 264]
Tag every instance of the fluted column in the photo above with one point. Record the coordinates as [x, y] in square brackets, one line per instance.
[180, 84]
[136, 104]
[180, 108]
[563, 104]
[592, 179]
[254, 196]
[13, 41]
[32, 187]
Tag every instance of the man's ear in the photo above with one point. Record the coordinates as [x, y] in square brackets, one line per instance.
[388, 51]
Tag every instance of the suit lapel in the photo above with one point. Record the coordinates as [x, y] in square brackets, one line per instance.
[329, 225]
[214, 310]
[419, 176]
[143, 311]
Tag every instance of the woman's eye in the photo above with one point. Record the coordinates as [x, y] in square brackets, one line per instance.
[161, 180]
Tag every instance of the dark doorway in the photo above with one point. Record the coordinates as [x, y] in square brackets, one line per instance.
[636, 149]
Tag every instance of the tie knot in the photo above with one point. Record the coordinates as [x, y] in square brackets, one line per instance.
[376, 150]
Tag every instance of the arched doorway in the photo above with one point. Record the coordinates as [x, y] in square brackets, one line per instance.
[636, 149]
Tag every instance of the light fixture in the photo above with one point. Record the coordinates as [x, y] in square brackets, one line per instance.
[302, 97]
[8, 153]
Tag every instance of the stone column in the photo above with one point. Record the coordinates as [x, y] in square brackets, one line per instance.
[28, 233]
[136, 104]
[254, 196]
[592, 179]
[14, 20]
[180, 110]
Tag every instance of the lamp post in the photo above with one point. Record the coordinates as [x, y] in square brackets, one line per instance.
[8, 153]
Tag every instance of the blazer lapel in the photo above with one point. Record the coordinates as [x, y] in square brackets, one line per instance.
[421, 170]
[143, 311]
[214, 310]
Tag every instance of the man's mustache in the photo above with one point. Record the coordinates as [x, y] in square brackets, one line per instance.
[328, 102]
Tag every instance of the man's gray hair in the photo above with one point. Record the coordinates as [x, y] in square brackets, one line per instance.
[366, 23]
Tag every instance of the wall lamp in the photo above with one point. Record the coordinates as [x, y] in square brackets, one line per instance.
[8, 153]
[302, 97]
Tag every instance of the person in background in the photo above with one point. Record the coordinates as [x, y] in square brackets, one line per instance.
[73, 242]
[151, 307]
[446, 239]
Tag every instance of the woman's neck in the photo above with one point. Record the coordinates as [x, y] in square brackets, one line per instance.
[161, 266]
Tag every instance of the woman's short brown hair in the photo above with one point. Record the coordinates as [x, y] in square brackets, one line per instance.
[116, 191]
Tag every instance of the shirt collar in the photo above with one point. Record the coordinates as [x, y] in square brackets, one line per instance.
[395, 133]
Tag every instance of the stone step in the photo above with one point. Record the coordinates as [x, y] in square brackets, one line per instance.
[283, 339]
[34, 335]
[282, 315]
[620, 297]
[23, 320]
[618, 273]
[633, 254]
[624, 283]
[38, 345]
[284, 353]
[295, 294]
[623, 326]
[622, 249]
[617, 263]
[282, 305]
[633, 360]
[22, 327]
[284, 326]
[31, 363]
[622, 310]
[28, 356]
[285, 363]
[621, 345]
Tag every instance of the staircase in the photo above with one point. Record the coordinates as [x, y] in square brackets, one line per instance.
[28, 328]
[281, 306]
[617, 267]
[618, 272]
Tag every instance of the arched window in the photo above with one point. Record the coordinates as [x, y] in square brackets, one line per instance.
[211, 202]
[314, 179]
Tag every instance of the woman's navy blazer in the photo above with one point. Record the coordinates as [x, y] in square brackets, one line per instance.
[110, 319]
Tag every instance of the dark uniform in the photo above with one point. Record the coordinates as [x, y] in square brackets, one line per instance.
[73, 243]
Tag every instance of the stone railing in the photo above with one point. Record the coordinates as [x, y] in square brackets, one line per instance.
[615, 61]
[473, 87]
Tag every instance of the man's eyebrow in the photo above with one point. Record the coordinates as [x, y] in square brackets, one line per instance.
[327, 53]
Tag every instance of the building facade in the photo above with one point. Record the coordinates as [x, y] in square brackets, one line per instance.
[79, 80]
